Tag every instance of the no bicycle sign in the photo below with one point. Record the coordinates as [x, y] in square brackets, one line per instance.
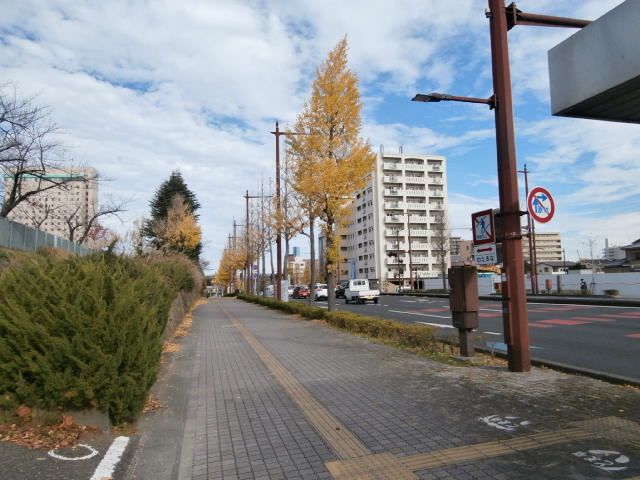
[541, 205]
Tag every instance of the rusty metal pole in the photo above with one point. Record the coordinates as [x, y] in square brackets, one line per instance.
[278, 219]
[514, 307]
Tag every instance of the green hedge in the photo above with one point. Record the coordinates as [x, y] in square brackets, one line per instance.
[414, 336]
[85, 332]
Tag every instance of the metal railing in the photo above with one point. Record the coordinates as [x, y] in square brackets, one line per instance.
[20, 237]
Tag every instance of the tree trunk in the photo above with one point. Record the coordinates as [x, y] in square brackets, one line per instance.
[443, 267]
[331, 283]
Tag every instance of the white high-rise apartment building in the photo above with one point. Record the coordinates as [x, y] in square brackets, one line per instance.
[48, 210]
[389, 237]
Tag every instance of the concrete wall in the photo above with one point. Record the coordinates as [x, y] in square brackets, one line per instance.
[628, 284]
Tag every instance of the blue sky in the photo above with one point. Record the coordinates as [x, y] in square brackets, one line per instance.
[141, 88]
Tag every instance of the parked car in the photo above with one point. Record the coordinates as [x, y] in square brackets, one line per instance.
[301, 291]
[341, 288]
[359, 291]
[290, 290]
[321, 292]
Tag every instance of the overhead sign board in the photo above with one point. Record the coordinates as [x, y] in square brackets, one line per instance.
[595, 73]
[541, 205]
[483, 227]
[485, 254]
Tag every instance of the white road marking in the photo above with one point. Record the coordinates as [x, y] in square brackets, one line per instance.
[492, 333]
[419, 314]
[435, 324]
[409, 301]
[110, 460]
[92, 453]
[489, 310]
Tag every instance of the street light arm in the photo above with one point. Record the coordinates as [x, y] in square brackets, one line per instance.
[439, 97]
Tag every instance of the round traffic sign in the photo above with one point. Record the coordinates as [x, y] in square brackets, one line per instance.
[541, 205]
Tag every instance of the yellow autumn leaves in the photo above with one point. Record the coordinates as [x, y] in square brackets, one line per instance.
[179, 231]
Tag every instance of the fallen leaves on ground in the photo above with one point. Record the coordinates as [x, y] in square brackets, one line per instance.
[169, 347]
[152, 404]
[33, 435]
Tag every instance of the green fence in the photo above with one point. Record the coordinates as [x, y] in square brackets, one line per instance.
[18, 236]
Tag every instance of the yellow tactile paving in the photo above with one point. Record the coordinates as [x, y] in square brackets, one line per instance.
[341, 441]
[381, 466]
[477, 451]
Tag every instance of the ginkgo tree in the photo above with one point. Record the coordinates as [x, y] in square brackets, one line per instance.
[179, 231]
[332, 161]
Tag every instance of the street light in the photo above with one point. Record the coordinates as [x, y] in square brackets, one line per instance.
[277, 134]
[501, 19]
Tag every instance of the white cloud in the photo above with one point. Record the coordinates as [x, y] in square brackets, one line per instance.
[142, 88]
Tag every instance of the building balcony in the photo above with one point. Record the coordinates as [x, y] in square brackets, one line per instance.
[435, 181]
[418, 219]
[419, 260]
[409, 179]
[393, 191]
[416, 193]
[394, 219]
[424, 274]
[391, 166]
[413, 167]
[419, 233]
[392, 179]
[394, 246]
[417, 205]
[436, 206]
[395, 260]
[436, 193]
[393, 204]
[419, 246]
[393, 233]
[435, 168]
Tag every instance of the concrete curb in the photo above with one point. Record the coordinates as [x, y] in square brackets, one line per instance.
[603, 301]
[563, 367]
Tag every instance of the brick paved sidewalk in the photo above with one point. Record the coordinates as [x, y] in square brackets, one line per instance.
[276, 397]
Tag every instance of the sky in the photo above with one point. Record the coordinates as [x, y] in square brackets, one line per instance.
[141, 88]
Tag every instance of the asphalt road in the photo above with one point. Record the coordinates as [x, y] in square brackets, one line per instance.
[599, 338]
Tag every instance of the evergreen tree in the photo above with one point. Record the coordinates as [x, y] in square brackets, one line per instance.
[160, 206]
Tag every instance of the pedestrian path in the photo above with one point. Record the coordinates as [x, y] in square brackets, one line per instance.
[276, 397]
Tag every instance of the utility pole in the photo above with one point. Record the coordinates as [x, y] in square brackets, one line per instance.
[277, 134]
[247, 262]
[531, 234]
[406, 215]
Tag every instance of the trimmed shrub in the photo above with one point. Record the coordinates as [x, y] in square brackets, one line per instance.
[612, 292]
[414, 336]
[84, 332]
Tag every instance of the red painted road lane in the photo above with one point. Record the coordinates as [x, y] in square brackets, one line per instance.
[561, 321]
[585, 336]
